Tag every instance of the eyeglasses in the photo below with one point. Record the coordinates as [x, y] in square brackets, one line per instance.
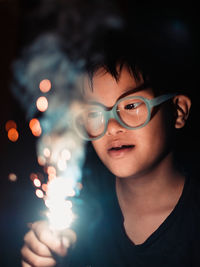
[131, 112]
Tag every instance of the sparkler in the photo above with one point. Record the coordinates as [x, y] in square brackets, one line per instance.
[58, 192]
[63, 156]
[60, 213]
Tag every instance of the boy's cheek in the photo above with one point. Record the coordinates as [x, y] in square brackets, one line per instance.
[98, 146]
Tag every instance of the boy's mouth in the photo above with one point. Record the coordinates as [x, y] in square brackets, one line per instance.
[118, 151]
[120, 147]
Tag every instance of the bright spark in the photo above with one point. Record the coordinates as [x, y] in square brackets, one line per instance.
[60, 213]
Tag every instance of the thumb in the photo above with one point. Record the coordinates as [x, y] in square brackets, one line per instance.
[67, 238]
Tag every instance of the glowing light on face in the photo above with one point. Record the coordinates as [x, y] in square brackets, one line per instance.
[45, 85]
[13, 135]
[42, 103]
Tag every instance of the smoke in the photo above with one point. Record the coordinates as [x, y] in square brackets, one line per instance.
[43, 59]
[58, 54]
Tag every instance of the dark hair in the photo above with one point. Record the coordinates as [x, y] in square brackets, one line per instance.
[153, 48]
[157, 41]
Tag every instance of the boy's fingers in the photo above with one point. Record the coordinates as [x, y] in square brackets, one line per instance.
[46, 236]
[68, 237]
[25, 264]
[35, 245]
[51, 239]
[31, 259]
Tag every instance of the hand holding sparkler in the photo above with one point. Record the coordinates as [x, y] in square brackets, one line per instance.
[41, 245]
[46, 241]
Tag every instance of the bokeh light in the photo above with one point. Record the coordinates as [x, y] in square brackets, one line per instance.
[41, 160]
[66, 154]
[46, 152]
[79, 186]
[39, 193]
[62, 164]
[51, 170]
[33, 176]
[71, 193]
[35, 127]
[45, 85]
[10, 124]
[42, 103]
[51, 176]
[44, 187]
[37, 182]
[13, 135]
[12, 177]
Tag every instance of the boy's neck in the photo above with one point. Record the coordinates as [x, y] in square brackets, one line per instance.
[162, 185]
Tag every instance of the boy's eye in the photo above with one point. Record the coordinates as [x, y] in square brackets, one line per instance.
[93, 114]
[132, 105]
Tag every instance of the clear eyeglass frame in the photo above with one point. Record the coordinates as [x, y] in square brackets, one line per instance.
[112, 113]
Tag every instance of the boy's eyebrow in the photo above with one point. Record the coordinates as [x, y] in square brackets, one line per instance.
[141, 87]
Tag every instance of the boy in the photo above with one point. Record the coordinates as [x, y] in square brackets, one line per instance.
[152, 215]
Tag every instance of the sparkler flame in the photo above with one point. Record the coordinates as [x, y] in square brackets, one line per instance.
[63, 166]
[60, 213]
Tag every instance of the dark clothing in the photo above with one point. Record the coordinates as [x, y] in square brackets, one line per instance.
[176, 243]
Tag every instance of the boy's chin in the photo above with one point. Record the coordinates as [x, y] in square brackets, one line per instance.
[123, 174]
[124, 170]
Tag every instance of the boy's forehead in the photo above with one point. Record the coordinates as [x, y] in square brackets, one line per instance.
[104, 84]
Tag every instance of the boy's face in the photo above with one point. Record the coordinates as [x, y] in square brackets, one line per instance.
[128, 153]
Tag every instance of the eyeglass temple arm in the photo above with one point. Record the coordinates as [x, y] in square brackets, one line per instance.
[160, 99]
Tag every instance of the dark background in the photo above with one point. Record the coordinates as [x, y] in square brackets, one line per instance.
[18, 203]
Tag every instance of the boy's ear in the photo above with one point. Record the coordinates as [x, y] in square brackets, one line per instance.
[182, 106]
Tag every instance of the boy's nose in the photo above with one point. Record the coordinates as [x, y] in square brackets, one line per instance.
[114, 127]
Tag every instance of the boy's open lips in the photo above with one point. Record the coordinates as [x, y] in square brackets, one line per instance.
[118, 151]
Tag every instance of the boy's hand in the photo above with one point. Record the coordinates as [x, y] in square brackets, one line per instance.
[41, 244]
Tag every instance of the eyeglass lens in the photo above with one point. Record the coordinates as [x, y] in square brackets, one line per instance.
[132, 112]
[92, 122]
